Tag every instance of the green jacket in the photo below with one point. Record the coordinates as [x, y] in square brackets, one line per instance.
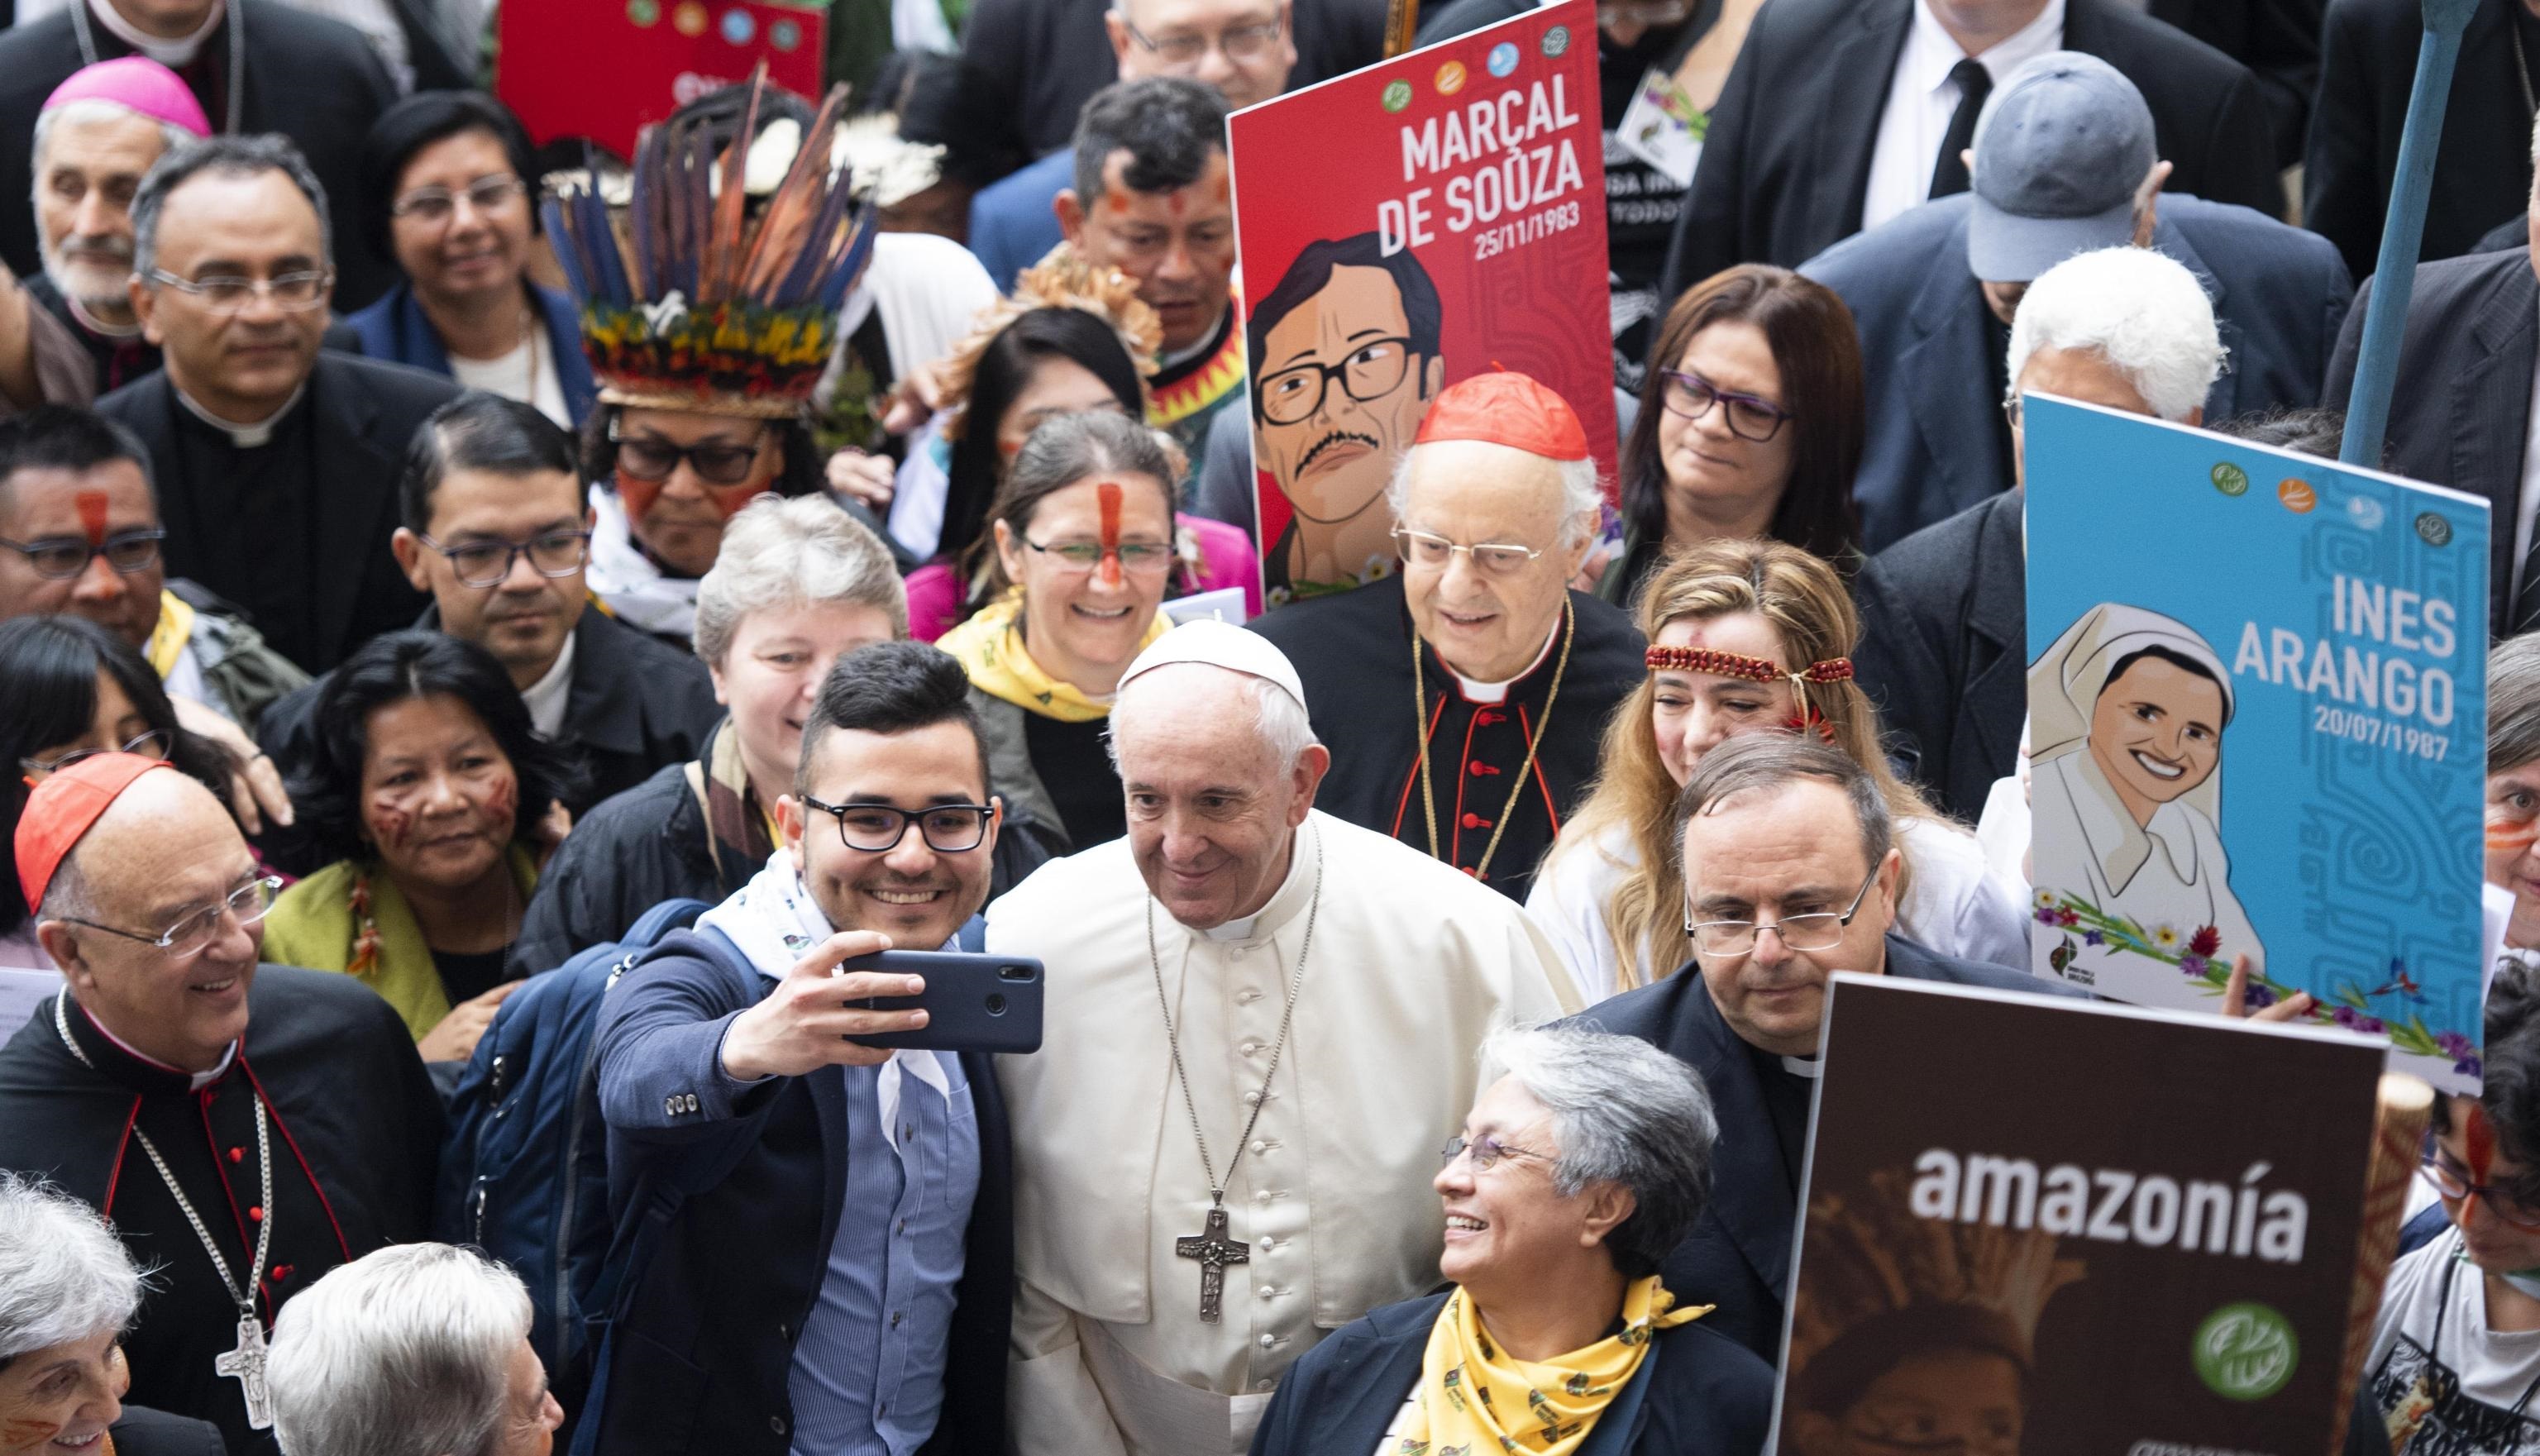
[312, 924]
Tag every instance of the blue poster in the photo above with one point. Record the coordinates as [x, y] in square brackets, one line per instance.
[2257, 700]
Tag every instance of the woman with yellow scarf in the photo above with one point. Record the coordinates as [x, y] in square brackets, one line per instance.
[1574, 1177]
[1083, 532]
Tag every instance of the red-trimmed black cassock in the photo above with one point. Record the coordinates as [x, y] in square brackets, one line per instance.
[1354, 653]
[354, 1129]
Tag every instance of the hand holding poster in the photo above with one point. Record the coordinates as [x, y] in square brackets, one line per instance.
[2257, 723]
[1404, 227]
[2116, 1262]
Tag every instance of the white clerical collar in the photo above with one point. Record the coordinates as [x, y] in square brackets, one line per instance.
[1496, 692]
[244, 437]
[1807, 1067]
[200, 1079]
[546, 696]
[172, 53]
[1233, 930]
[93, 323]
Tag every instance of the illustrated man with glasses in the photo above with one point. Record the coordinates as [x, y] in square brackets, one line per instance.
[838, 1272]
[495, 528]
[246, 1127]
[1465, 697]
[276, 464]
[1345, 359]
[1791, 872]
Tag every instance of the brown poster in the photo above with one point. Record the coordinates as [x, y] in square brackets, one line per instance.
[2061, 1228]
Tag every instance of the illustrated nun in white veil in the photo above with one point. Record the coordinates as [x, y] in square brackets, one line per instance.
[2127, 712]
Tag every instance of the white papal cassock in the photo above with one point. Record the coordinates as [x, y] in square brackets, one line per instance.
[1412, 963]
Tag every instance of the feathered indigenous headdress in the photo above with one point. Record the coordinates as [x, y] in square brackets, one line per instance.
[1059, 281]
[694, 294]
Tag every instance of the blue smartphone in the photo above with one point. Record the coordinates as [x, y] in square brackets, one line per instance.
[972, 1003]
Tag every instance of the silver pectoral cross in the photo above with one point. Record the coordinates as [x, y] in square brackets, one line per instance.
[246, 1365]
[1214, 1251]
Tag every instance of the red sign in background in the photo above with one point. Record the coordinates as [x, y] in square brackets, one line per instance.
[603, 69]
[1512, 236]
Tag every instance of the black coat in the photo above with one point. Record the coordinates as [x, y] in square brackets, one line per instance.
[365, 414]
[732, 1203]
[1739, 1254]
[2482, 166]
[2462, 412]
[1353, 651]
[1703, 1394]
[1945, 651]
[142, 1432]
[356, 1135]
[315, 80]
[1787, 161]
[2277, 40]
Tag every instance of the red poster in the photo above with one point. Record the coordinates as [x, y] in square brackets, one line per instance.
[605, 68]
[1433, 217]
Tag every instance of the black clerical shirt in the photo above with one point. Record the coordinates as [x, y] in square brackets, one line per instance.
[253, 508]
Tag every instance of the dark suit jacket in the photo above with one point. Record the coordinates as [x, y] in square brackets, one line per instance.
[1701, 1393]
[1945, 651]
[2368, 62]
[1739, 1254]
[315, 80]
[2277, 40]
[2462, 411]
[1013, 221]
[1787, 161]
[727, 1209]
[366, 413]
[2279, 295]
[142, 1432]
[396, 329]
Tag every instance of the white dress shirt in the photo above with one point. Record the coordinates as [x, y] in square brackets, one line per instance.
[2524, 509]
[1921, 99]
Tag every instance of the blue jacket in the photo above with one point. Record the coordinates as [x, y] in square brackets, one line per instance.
[394, 329]
[1012, 221]
[726, 1200]
[2278, 296]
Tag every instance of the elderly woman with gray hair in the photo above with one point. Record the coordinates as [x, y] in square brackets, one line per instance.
[67, 1289]
[1575, 1175]
[414, 1350]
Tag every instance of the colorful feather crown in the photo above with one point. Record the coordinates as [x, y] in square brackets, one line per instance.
[697, 296]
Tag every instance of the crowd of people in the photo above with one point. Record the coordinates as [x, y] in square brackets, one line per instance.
[897, 584]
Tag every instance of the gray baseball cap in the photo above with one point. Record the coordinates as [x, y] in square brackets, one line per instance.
[2062, 145]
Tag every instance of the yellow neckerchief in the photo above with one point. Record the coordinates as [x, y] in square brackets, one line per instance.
[990, 648]
[1474, 1397]
[167, 640]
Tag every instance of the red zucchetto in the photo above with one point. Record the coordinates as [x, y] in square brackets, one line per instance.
[66, 807]
[1506, 408]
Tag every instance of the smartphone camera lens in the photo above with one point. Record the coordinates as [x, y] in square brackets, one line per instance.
[1013, 973]
[996, 1005]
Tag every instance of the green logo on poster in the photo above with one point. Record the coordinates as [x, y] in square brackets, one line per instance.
[2245, 1352]
[2433, 530]
[1398, 95]
[1556, 41]
[2231, 480]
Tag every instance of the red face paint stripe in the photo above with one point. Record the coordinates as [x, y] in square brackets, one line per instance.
[1107, 494]
[92, 514]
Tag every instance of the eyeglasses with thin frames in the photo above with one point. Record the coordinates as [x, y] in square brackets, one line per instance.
[1691, 396]
[190, 935]
[1491, 558]
[877, 828]
[1486, 1152]
[224, 294]
[60, 558]
[1239, 42]
[489, 564]
[1138, 558]
[152, 745]
[1817, 931]
[433, 206]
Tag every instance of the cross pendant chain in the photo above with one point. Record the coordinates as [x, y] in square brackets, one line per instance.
[246, 1365]
[1214, 1251]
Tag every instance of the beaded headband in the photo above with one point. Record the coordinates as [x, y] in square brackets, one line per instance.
[1738, 664]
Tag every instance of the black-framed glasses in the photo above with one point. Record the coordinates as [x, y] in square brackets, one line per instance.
[60, 558]
[1486, 1152]
[487, 564]
[1139, 558]
[877, 828]
[1182, 48]
[190, 935]
[435, 205]
[1372, 371]
[1691, 396]
[2503, 1203]
[292, 292]
[716, 463]
[152, 745]
[1492, 559]
[1820, 930]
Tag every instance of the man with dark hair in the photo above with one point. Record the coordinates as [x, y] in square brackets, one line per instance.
[1780, 833]
[497, 531]
[833, 1267]
[275, 462]
[1347, 345]
[1151, 198]
[80, 533]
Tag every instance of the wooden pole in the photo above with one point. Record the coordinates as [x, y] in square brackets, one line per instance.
[1401, 23]
[2406, 1105]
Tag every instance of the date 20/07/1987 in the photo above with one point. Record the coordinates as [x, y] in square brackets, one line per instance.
[2363, 728]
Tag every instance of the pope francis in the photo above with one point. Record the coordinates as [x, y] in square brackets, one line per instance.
[1262, 1024]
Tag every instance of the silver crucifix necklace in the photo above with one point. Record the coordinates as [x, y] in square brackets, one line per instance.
[1211, 1246]
[245, 1363]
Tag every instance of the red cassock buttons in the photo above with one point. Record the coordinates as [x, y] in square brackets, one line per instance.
[254, 1215]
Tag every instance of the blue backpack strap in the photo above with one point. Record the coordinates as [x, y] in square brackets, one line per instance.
[661, 919]
[973, 935]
